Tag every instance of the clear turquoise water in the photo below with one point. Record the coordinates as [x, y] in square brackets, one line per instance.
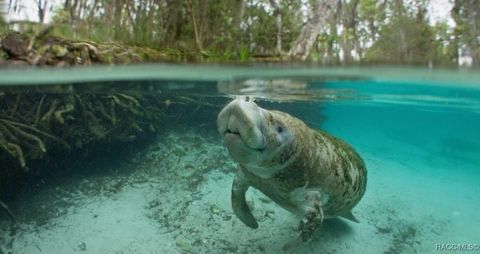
[417, 130]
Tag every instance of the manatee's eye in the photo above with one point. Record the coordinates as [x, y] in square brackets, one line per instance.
[279, 129]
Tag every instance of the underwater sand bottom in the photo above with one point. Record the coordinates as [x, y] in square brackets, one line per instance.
[175, 198]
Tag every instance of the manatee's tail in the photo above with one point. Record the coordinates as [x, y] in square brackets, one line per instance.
[349, 216]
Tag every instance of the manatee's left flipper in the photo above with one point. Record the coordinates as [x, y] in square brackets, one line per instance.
[239, 204]
[309, 224]
[311, 221]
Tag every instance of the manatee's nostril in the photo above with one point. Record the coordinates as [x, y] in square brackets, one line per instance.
[247, 98]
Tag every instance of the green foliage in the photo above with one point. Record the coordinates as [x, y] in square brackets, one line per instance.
[409, 39]
[371, 13]
[465, 13]
[243, 54]
[398, 42]
[367, 9]
[394, 31]
[3, 24]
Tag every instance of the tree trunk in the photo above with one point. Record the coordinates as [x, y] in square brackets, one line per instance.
[174, 22]
[70, 8]
[304, 42]
[41, 8]
[117, 29]
[455, 14]
[332, 56]
[278, 24]
[238, 11]
[196, 32]
[349, 30]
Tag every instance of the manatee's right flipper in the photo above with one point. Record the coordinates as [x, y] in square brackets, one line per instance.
[239, 205]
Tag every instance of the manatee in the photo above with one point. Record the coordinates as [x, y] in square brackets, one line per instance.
[308, 172]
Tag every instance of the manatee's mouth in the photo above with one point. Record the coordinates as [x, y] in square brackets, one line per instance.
[232, 134]
[228, 131]
[235, 135]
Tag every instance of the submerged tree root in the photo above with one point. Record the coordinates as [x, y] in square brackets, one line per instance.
[54, 120]
[15, 135]
[8, 211]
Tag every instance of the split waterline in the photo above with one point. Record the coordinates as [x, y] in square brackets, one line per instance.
[416, 129]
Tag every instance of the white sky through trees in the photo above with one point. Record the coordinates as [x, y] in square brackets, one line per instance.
[438, 11]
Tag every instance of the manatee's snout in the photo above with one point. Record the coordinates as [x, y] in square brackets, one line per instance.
[240, 124]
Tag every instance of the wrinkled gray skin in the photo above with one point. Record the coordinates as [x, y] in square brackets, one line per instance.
[309, 173]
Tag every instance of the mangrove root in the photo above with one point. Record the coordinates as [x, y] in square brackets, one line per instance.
[33, 129]
[14, 151]
[8, 211]
[59, 113]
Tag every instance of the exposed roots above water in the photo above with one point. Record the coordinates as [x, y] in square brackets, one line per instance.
[43, 49]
